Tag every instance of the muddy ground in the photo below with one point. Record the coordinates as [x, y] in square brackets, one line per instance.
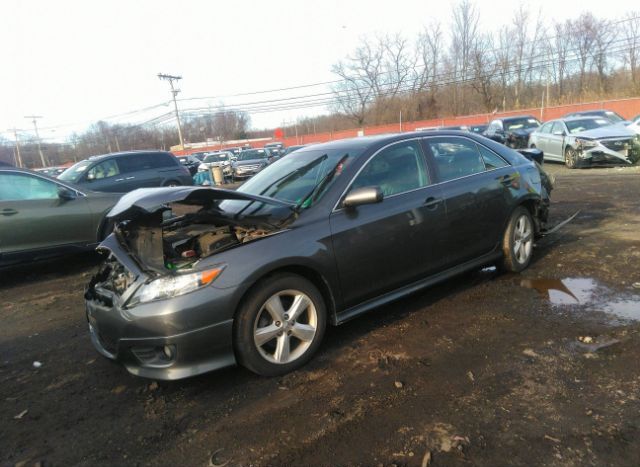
[480, 370]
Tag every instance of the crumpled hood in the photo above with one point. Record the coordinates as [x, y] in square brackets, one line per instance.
[250, 162]
[144, 201]
[522, 132]
[605, 132]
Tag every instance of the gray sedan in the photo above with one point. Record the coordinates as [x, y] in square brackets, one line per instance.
[42, 217]
[586, 141]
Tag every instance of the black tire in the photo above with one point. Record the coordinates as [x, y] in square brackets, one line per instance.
[172, 183]
[517, 256]
[253, 316]
[570, 158]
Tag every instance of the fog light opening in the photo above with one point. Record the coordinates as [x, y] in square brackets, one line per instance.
[168, 351]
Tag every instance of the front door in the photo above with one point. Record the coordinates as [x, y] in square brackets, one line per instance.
[33, 216]
[380, 247]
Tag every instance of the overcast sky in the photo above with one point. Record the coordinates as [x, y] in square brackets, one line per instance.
[75, 62]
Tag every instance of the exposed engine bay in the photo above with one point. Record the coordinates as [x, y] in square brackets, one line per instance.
[166, 242]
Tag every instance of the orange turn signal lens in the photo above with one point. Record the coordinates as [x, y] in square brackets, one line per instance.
[206, 277]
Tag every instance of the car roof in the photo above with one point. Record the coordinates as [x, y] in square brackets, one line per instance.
[127, 153]
[576, 117]
[27, 171]
[515, 117]
[362, 143]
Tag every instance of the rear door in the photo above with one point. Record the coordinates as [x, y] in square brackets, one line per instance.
[380, 247]
[556, 140]
[138, 171]
[33, 216]
[476, 195]
[165, 169]
[540, 137]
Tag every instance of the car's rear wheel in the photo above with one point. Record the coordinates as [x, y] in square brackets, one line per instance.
[280, 325]
[517, 244]
[570, 158]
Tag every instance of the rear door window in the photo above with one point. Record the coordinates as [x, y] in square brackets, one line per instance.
[491, 159]
[546, 128]
[455, 157]
[159, 160]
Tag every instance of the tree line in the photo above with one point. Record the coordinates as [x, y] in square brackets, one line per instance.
[461, 69]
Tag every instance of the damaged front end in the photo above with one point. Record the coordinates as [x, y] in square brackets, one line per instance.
[164, 240]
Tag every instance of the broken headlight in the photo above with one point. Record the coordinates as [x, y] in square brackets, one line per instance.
[586, 143]
[173, 286]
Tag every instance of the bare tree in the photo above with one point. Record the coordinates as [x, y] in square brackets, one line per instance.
[526, 41]
[631, 47]
[484, 71]
[582, 41]
[464, 31]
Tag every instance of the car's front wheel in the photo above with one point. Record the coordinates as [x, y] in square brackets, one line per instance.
[280, 325]
[517, 244]
[571, 158]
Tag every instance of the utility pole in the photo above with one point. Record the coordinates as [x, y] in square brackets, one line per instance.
[34, 119]
[174, 93]
[35, 126]
[19, 156]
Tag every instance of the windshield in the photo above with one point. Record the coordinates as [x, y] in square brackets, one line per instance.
[292, 179]
[521, 123]
[576, 126]
[73, 173]
[216, 158]
[253, 154]
[614, 117]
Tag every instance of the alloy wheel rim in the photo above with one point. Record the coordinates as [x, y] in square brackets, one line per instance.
[571, 158]
[523, 239]
[285, 326]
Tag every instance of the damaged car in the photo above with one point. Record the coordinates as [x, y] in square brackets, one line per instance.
[196, 279]
[586, 142]
[512, 131]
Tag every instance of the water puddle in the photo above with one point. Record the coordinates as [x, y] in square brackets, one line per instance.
[588, 293]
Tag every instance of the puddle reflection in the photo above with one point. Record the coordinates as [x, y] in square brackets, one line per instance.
[587, 292]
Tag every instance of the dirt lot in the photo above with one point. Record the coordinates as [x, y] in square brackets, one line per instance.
[486, 369]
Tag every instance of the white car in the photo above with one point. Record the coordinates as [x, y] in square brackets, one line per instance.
[217, 159]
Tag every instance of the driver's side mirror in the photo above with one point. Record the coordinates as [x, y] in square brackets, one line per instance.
[91, 176]
[364, 195]
[66, 194]
[559, 133]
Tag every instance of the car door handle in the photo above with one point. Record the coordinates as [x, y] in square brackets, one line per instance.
[432, 203]
[130, 178]
[8, 212]
[119, 180]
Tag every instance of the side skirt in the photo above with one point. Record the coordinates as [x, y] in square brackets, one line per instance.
[370, 304]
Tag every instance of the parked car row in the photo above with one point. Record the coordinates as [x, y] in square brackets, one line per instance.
[579, 139]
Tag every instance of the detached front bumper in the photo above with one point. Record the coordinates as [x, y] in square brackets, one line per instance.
[166, 339]
[601, 155]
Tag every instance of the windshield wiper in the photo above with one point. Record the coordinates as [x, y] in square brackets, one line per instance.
[297, 172]
[321, 184]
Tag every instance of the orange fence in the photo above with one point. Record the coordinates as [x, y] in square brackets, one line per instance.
[628, 108]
